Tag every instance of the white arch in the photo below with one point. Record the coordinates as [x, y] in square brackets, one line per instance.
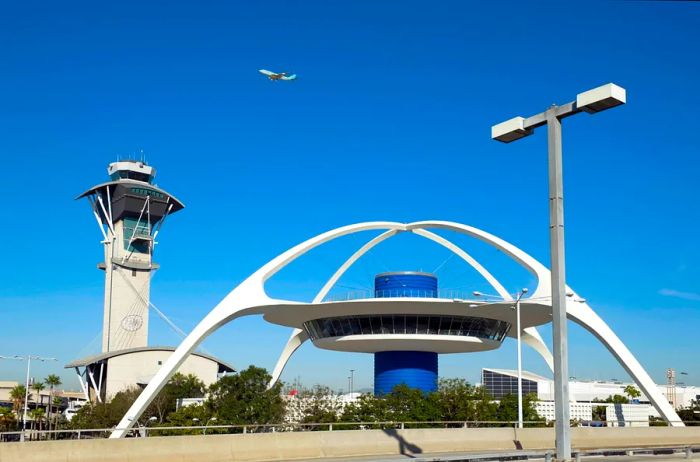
[577, 310]
[532, 338]
[246, 299]
[351, 261]
[298, 337]
[530, 335]
[250, 298]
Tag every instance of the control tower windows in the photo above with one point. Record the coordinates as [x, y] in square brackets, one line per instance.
[137, 235]
[130, 175]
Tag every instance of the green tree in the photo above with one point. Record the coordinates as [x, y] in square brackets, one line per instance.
[38, 387]
[367, 408]
[316, 405]
[459, 401]
[179, 386]
[37, 415]
[690, 413]
[632, 392]
[188, 416]
[406, 404]
[617, 399]
[58, 417]
[599, 413]
[18, 394]
[243, 398]
[403, 404]
[106, 415]
[52, 381]
[508, 408]
[8, 421]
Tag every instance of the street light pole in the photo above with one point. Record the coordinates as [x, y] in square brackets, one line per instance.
[520, 358]
[26, 397]
[592, 101]
[518, 296]
[559, 327]
[352, 380]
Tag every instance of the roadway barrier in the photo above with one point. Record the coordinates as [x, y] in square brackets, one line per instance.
[343, 443]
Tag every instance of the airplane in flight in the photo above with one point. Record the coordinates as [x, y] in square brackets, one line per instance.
[277, 75]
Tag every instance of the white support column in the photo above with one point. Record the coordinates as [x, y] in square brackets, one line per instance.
[98, 392]
[82, 384]
[246, 299]
[104, 211]
[532, 338]
[298, 337]
[582, 314]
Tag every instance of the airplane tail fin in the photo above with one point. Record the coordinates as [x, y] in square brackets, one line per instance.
[290, 77]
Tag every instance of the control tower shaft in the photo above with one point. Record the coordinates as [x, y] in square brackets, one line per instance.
[130, 211]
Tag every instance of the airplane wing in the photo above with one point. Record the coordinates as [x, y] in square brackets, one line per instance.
[266, 72]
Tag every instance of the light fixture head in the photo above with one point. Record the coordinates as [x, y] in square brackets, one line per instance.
[510, 130]
[601, 98]
[476, 293]
[524, 290]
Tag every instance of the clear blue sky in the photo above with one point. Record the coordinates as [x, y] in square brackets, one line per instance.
[389, 119]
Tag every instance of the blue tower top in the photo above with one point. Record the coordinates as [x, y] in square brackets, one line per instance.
[405, 284]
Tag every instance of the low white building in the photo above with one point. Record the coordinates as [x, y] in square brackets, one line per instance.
[577, 411]
[616, 415]
[584, 395]
[501, 382]
[104, 375]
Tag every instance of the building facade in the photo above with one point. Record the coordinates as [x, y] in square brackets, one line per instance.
[500, 382]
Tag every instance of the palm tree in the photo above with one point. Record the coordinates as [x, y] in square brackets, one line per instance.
[18, 394]
[38, 387]
[37, 415]
[57, 404]
[52, 381]
[632, 392]
[8, 421]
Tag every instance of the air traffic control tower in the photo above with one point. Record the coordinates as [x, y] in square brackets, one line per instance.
[130, 210]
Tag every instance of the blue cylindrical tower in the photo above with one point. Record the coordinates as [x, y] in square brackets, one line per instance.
[405, 284]
[417, 369]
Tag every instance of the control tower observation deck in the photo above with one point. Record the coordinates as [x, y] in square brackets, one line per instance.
[130, 210]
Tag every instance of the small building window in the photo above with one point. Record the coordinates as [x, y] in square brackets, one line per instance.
[160, 363]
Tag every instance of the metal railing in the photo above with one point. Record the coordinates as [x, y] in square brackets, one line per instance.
[448, 294]
[152, 430]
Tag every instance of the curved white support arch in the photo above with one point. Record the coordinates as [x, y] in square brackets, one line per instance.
[530, 335]
[250, 298]
[351, 261]
[532, 338]
[543, 288]
[582, 314]
[298, 337]
[497, 286]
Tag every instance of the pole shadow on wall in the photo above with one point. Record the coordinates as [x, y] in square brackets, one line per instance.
[405, 448]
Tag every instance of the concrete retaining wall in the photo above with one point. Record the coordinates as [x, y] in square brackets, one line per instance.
[309, 445]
